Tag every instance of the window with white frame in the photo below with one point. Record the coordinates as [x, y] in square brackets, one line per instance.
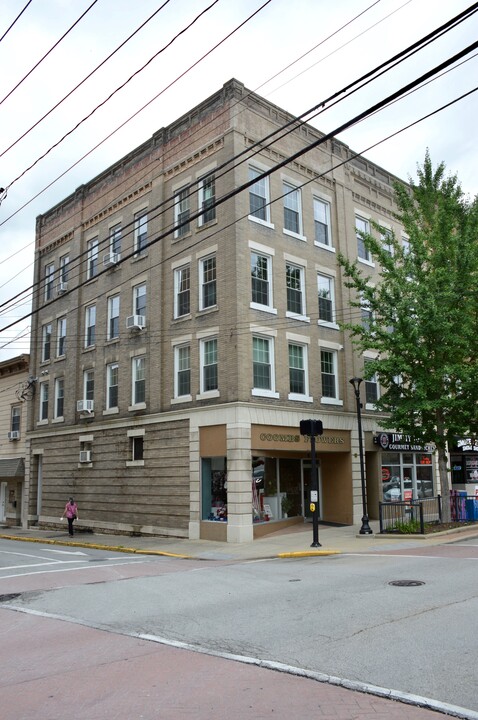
[263, 370]
[46, 342]
[44, 392]
[59, 397]
[366, 314]
[89, 384]
[261, 280]
[92, 258]
[323, 234]
[140, 232]
[298, 384]
[15, 418]
[371, 387]
[139, 300]
[386, 238]
[326, 299]
[113, 317]
[138, 380]
[295, 285]
[207, 199]
[362, 227]
[207, 282]
[61, 337]
[208, 360]
[115, 239]
[49, 280]
[112, 379]
[64, 268]
[292, 209]
[182, 371]
[90, 326]
[259, 207]
[182, 291]
[181, 212]
[328, 372]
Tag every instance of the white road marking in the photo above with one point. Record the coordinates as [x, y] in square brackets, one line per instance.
[134, 561]
[67, 552]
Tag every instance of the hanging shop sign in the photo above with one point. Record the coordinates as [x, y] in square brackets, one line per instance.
[397, 442]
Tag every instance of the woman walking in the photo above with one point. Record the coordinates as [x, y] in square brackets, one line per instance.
[71, 514]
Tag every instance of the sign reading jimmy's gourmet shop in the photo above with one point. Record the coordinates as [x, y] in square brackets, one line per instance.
[397, 442]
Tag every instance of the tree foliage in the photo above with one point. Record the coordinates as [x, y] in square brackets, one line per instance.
[423, 323]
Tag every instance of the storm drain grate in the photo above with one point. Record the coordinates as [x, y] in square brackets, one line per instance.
[406, 583]
[9, 596]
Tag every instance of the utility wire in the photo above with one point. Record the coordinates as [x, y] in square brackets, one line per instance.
[49, 51]
[17, 18]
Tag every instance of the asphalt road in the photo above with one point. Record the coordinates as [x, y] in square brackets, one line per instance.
[337, 615]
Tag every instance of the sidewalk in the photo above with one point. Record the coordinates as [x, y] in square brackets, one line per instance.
[291, 542]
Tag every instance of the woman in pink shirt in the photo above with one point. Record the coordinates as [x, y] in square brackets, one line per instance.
[71, 513]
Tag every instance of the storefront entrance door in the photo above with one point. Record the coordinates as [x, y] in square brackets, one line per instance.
[306, 474]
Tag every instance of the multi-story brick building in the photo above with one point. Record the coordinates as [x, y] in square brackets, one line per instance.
[183, 328]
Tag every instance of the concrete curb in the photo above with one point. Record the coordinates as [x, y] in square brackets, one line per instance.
[308, 553]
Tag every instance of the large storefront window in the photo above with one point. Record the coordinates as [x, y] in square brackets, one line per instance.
[214, 489]
[276, 488]
[406, 476]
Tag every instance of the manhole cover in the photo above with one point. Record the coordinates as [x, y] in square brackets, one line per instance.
[10, 596]
[406, 583]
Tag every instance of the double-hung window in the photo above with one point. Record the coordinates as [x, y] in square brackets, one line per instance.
[139, 301]
[138, 394]
[115, 239]
[181, 212]
[292, 209]
[259, 208]
[15, 418]
[263, 370]
[113, 317]
[295, 285]
[208, 360]
[140, 232]
[90, 326]
[44, 393]
[366, 315]
[112, 373]
[323, 235]
[89, 385]
[92, 258]
[46, 342]
[59, 397]
[325, 289]
[386, 238]
[207, 199]
[328, 371]
[64, 268]
[261, 281]
[371, 388]
[61, 337]
[298, 381]
[182, 291]
[207, 282]
[182, 371]
[49, 280]
[362, 227]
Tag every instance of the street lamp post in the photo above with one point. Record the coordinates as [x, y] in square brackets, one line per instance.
[365, 529]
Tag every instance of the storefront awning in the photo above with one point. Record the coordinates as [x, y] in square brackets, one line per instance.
[11, 468]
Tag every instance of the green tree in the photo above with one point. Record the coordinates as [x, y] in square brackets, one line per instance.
[422, 318]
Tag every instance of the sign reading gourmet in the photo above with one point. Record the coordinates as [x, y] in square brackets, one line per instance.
[401, 443]
[273, 437]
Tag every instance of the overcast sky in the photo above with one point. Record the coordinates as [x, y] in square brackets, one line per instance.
[278, 36]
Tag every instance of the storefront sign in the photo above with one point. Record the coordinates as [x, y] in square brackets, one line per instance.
[401, 443]
[467, 444]
[289, 439]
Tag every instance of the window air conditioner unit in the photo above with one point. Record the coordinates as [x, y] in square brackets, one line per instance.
[14, 435]
[85, 406]
[62, 288]
[85, 456]
[136, 321]
[111, 259]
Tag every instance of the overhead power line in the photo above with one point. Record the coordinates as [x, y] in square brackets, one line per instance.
[17, 18]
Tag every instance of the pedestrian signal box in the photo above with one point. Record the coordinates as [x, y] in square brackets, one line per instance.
[311, 427]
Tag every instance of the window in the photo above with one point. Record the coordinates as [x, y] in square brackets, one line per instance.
[259, 208]
[137, 447]
[89, 385]
[207, 283]
[139, 300]
[362, 226]
[405, 245]
[323, 235]
[59, 397]
[182, 289]
[297, 370]
[371, 388]
[61, 337]
[182, 371]
[263, 365]
[295, 289]
[64, 271]
[366, 315]
[139, 380]
[386, 238]
[115, 239]
[112, 386]
[90, 326]
[49, 279]
[181, 212]
[44, 390]
[113, 317]
[292, 209]
[208, 355]
[261, 273]
[92, 258]
[207, 199]
[15, 418]
[46, 342]
[140, 232]
[328, 369]
[325, 288]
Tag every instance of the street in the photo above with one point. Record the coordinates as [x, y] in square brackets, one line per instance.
[338, 615]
